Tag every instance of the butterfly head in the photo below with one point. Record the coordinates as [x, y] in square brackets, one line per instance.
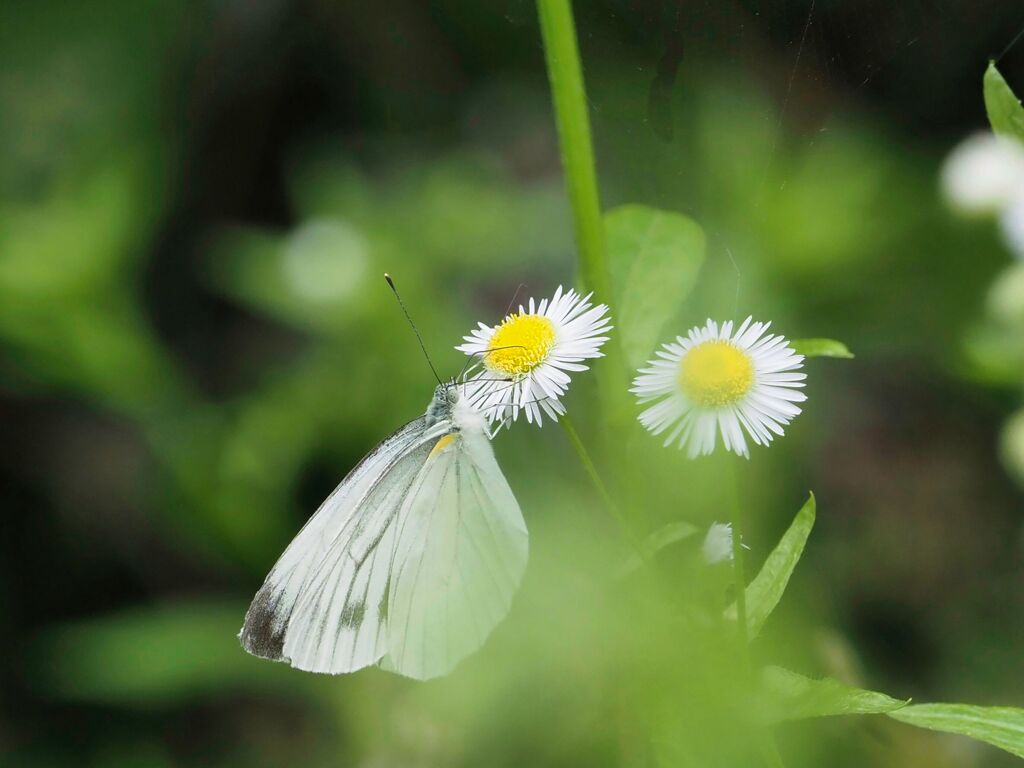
[451, 403]
[446, 396]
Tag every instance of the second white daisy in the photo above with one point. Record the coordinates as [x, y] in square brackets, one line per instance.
[716, 382]
[717, 546]
[525, 361]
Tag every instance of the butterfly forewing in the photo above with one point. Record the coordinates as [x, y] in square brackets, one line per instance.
[322, 608]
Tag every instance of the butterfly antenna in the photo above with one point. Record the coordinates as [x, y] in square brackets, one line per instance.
[415, 330]
[515, 295]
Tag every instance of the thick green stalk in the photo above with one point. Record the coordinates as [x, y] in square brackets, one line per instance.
[570, 101]
[572, 120]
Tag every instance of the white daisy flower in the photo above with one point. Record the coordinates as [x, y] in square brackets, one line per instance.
[1012, 223]
[716, 381]
[717, 546]
[525, 362]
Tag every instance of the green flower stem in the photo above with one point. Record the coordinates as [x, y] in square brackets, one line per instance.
[739, 578]
[602, 489]
[769, 750]
[565, 74]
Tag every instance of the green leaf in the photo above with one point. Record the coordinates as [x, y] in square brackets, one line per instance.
[765, 591]
[793, 696]
[657, 541]
[151, 656]
[1001, 727]
[666, 535]
[1005, 112]
[821, 348]
[653, 257]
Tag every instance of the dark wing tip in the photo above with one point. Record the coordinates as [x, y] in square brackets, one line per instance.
[262, 633]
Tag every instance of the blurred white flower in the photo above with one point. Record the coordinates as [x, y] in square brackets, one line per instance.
[325, 260]
[716, 381]
[717, 545]
[525, 361]
[984, 174]
[1012, 223]
[1005, 301]
[1012, 445]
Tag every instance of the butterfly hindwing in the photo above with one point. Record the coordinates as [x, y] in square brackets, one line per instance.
[462, 549]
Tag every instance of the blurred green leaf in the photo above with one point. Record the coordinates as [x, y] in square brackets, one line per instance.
[821, 348]
[314, 277]
[794, 696]
[1001, 727]
[653, 257]
[657, 541]
[765, 591]
[666, 535]
[806, 228]
[78, 238]
[1005, 301]
[1004, 109]
[464, 209]
[994, 355]
[150, 656]
[1011, 445]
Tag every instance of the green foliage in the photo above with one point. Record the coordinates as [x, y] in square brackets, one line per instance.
[314, 364]
[821, 348]
[665, 536]
[1001, 727]
[654, 257]
[72, 251]
[419, 221]
[1005, 112]
[793, 696]
[767, 588]
[152, 656]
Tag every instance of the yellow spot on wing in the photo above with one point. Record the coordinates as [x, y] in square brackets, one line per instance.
[440, 445]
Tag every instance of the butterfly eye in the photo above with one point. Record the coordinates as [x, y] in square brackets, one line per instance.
[452, 394]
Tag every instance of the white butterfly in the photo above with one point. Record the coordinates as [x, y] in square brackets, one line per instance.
[409, 564]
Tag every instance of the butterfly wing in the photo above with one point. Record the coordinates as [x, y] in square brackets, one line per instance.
[461, 552]
[323, 606]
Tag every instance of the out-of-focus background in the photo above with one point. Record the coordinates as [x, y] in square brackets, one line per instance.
[197, 201]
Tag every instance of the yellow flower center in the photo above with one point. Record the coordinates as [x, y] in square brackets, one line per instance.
[520, 344]
[715, 374]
